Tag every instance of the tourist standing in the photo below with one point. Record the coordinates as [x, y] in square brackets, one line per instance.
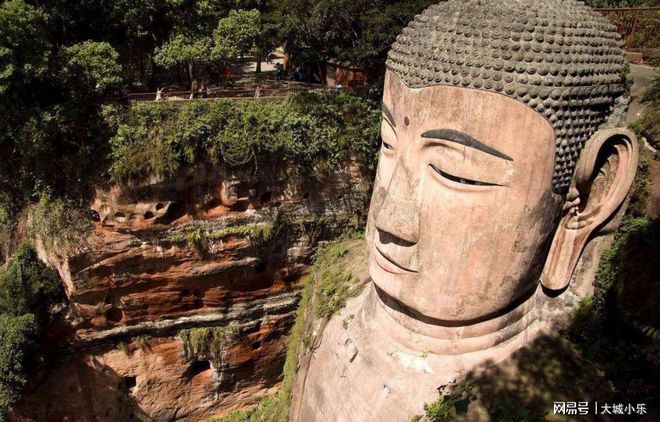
[228, 80]
[280, 71]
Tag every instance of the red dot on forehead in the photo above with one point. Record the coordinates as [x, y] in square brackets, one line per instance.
[406, 120]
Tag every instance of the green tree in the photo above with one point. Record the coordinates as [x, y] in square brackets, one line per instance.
[28, 289]
[50, 130]
[28, 286]
[237, 34]
[359, 31]
[182, 50]
[95, 65]
[16, 334]
[23, 52]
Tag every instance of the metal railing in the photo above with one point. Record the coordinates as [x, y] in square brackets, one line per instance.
[638, 26]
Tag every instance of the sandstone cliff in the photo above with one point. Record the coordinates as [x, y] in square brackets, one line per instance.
[181, 301]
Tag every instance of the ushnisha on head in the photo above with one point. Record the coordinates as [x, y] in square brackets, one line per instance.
[496, 166]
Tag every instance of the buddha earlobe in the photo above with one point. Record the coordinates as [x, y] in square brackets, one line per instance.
[602, 179]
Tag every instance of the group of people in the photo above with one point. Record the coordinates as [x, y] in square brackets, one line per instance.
[202, 90]
[295, 74]
[298, 74]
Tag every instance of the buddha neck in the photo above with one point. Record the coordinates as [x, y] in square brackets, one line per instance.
[450, 338]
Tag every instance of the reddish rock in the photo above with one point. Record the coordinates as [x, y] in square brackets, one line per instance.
[170, 256]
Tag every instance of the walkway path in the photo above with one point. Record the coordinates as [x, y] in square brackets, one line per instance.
[246, 81]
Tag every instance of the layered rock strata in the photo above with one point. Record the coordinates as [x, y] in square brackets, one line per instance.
[182, 298]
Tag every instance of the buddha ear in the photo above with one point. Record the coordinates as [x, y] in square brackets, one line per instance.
[602, 179]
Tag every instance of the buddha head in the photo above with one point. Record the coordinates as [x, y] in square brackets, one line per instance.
[499, 160]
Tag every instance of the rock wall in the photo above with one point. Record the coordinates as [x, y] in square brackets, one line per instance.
[181, 301]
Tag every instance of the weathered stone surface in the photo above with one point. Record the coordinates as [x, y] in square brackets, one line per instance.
[211, 249]
[153, 381]
[478, 219]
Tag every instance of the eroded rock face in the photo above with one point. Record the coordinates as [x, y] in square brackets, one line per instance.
[175, 263]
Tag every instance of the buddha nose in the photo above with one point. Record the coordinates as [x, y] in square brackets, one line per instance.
[398, 215]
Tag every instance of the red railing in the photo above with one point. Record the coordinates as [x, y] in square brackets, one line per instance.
[229, 94]
[638, 26]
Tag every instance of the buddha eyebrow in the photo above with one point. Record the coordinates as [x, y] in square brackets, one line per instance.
[388, 115]
[463, 139]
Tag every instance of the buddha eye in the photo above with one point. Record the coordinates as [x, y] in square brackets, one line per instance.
[388, 136]
[460, 180]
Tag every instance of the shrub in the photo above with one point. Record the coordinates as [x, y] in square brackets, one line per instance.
[28, 286]
[58, 223]
[16, 334]
[454, 400]
[648, 124]
[208, 342]
[28, 289]
[158, 139]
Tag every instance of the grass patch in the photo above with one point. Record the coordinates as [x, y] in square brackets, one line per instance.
[334, 290]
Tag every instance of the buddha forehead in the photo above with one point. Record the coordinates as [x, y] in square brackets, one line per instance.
[488, 122]
[557, 57]
[484, 128]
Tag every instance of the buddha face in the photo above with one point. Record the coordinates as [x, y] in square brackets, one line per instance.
[462, 212]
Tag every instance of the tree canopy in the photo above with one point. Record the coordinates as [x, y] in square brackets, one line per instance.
[237, 34]
[358, 31]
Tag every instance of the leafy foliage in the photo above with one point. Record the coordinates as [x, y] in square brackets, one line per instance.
[264, 412]
[15, 340]
[237, 34]
[181, 49]
[159, 139]
[453, 400]
[27, 286]
[648, 124]
[208, 342]
[51, 130]
[200, 237]
[335, 289]
[58, 223]
[28, 290]
[94, 64]
[359, 31]
[23, 52]
[616, 327]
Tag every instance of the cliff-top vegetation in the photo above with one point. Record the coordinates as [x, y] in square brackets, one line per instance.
[158, 139]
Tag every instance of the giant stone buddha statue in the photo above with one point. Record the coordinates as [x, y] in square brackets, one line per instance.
[499, 163]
